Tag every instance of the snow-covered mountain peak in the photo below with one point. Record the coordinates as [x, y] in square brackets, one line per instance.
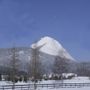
[51, 46]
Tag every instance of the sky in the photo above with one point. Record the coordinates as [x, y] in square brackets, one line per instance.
[24, 21]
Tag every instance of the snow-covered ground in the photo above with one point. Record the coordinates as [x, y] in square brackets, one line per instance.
[74, 80]
[85, 88]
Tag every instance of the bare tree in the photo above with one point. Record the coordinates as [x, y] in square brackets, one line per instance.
[60, 66]
[14, 64]
[83, 69]
[35, 67]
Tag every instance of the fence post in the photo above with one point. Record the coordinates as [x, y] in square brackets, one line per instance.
[21, 87]
[3, 87]
[28, 86]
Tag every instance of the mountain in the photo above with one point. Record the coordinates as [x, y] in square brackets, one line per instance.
[52, 47]
[49, 48]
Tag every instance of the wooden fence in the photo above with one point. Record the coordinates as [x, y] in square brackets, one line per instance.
[32, 86]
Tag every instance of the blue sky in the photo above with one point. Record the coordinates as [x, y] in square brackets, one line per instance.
[24, 21]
